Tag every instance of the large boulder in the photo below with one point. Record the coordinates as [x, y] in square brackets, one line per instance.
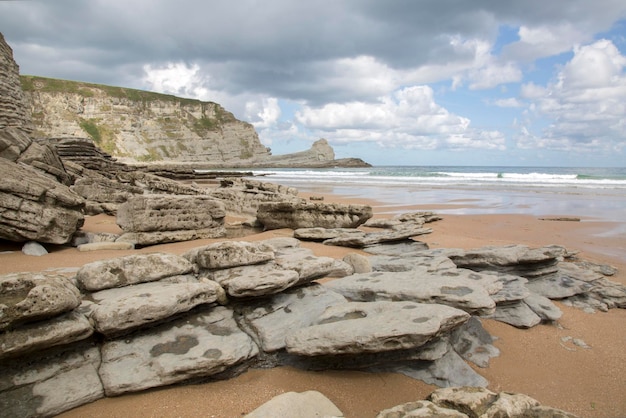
[153, 219]
[296, 215]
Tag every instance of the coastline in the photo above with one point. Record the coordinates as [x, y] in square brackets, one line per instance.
[586, 382]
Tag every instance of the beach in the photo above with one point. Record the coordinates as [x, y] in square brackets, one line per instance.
[540, 362]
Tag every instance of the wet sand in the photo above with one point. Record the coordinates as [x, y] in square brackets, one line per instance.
[588, 382]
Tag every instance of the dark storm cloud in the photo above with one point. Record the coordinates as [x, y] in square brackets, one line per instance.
[279, 48]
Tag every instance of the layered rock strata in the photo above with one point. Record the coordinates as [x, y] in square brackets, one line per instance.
[136, 322]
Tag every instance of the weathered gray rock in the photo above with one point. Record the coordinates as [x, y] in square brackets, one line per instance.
[101, 190]
[373, 238]
[472, 342]
[510, 405]
[131, 269]
[28, 297]
[450, 370]
[37, 336]
[472, 401]
[410, 262]
[34, 248]
[517, 314]
[83, 237]
[228, 254]
[254, 281]
[322, 234]
[359, 263]
[308, 266]
[513, 289]
[34, 207]
[270, 320]
[514, 259]
[309, 404]
[543, 307]
[150, 219]
[100, 246]
[201, 344]
[120, 310]
[406, 248]
[44, 386]
[558, 286]
[419, 285]
[425, 409]
[370, 327]
[308, 215]
[162, 237]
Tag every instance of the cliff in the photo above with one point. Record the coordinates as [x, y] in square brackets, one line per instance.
[138, 124]
[151, 127]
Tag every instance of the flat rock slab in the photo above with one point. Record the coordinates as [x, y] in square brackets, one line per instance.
[302, 214]
[45, 386]
[27, 297]
[558, 286]
[395, 263]
[120, 310]
[261, 283]
[514, 259]
[373, 238]
[200, 344]
[371, 327]
[307, 265]
[230, 254]
[162, 237]
[132, 269]
[150, 213]
[100, 246]
[517, 314]
[309, 404]
[60, 330]
[270, 320]
[454, 288]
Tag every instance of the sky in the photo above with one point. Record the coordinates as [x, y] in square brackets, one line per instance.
[398, 82]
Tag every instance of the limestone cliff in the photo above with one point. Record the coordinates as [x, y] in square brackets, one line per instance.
[141, 125]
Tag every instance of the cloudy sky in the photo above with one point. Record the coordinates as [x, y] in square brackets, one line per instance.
[399, 82]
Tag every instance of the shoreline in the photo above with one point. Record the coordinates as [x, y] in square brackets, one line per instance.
[586, 382]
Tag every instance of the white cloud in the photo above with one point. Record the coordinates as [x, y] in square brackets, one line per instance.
[508, 102]
[586, 104]
[177, 78]
[408, 118]
[263, 114]
[544, 41]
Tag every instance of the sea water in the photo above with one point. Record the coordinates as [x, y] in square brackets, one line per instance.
[592, 193]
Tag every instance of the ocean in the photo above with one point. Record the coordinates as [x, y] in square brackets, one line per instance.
[596, 194]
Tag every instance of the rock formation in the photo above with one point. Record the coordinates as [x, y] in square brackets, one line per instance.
[35, 202]
[141, 321]
[153, 127]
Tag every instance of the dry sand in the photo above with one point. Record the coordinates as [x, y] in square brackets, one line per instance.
[590, 382]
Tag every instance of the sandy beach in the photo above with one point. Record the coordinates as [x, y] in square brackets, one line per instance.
[538, 362]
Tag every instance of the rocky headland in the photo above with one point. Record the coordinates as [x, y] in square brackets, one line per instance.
[141, 126]
[124, 324]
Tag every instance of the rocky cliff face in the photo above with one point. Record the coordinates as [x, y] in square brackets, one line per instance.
[141, 125]
[13, 112]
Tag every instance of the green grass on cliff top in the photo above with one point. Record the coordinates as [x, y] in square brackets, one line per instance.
[35, 83]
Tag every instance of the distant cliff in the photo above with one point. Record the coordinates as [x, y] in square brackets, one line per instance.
[153, 127]
[139, 124]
